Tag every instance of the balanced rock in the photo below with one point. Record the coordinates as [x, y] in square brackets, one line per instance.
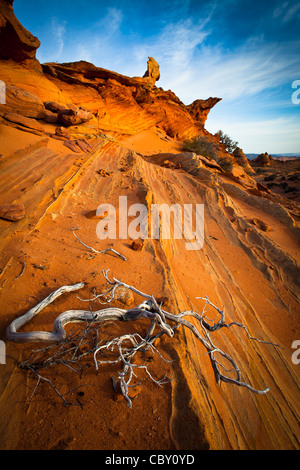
[152, 71]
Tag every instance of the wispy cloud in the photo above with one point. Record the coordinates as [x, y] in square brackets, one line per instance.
[248, 70]
[190, 65]
[196, 60]
[288, 11]
[193, 68]
[58, 29]
[260, 135]
[110, 23]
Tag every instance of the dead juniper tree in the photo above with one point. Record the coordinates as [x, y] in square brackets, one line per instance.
[96, 345]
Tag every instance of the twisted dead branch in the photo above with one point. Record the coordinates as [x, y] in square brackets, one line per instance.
[122, 350]
[107, 250]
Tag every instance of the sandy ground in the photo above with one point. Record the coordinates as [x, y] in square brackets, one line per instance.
[253, 273]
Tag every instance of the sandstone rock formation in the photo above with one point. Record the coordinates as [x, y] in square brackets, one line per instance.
[199, 109]
[73, 117]
[242, 159]
[152, 71]
[264, 159]
[24, 123]
[16, 42]
[54, 107]
[20, 100]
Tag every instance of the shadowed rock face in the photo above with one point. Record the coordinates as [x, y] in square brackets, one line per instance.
[16, 42]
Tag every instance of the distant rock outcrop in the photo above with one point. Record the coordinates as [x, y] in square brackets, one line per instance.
[264, 159]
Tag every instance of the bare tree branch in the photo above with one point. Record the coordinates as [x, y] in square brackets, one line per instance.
[107, 250]
[101, 349]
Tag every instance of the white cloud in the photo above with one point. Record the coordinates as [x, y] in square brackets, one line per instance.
[174, 48]
[245, 71]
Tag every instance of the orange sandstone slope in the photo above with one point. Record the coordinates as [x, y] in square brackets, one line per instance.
[74, 136]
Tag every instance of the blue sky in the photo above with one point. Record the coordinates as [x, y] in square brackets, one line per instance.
[246, 52]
